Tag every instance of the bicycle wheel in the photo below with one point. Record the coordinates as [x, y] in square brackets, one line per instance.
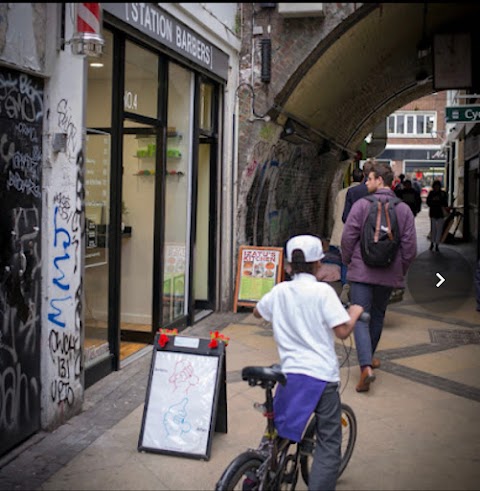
[349, 437]
[242, 473]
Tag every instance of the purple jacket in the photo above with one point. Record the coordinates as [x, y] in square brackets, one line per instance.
[393, 275]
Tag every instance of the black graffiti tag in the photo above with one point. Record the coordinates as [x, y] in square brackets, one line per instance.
[65, 352]
[65, 122]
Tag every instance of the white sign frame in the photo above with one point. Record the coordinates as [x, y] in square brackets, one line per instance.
[180, 408]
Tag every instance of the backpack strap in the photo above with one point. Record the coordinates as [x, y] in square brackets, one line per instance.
[378, 221]
[391, 199]
[389, 224]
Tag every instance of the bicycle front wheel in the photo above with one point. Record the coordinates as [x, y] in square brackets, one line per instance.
[242, 473]
[349, 437]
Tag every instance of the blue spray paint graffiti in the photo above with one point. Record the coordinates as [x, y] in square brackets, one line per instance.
[59, 280]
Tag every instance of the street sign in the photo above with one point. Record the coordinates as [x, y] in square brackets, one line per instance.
[462, 114]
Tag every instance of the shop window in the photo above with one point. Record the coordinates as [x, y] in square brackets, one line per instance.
[177, 188]
[412, 125]
[141, 81]
[97, 202]
[206, 105]
[99, 92]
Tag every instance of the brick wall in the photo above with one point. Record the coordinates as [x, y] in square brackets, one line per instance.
[283, 189]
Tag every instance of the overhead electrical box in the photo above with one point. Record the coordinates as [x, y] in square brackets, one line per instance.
[300, 9]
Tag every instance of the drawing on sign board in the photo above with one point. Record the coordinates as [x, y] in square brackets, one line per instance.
[175, 419]
[183, 376]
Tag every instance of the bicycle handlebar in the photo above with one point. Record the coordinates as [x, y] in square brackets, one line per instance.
[364, 316]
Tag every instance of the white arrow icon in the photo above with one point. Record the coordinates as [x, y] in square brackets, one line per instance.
[441, 278]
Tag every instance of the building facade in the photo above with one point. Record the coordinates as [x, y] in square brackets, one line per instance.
[415, 133]
[115, 191]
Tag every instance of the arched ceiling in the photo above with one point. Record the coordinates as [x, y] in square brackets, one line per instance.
[369, 70]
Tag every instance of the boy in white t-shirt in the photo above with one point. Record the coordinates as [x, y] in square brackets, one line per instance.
[305, 314]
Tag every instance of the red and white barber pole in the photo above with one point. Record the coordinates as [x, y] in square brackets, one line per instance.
[87, 39]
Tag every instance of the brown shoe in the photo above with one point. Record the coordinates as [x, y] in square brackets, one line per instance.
[366, 378]
[375, 363]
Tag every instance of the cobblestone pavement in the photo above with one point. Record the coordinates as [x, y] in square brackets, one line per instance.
[423, 433]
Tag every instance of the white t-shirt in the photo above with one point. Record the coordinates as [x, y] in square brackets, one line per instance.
[303, 312]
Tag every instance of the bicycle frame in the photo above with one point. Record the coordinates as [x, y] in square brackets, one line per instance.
[273, 447]
[277, 462]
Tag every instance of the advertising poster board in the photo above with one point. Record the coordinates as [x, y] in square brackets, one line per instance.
[259, 270]
[185, 399]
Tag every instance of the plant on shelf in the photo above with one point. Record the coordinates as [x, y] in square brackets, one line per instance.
[125, 212]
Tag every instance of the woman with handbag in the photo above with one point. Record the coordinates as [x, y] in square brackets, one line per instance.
[437, 202]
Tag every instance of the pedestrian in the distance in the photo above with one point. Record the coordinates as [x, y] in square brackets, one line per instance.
[416, 185]
[477, 284]
[359, 191]
[437, 201]
[398, 186]
[410, 196]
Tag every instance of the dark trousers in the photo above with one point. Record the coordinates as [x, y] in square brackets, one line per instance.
[374, 299]
[326, 459]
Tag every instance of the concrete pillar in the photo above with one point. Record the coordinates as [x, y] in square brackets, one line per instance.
[63, 234]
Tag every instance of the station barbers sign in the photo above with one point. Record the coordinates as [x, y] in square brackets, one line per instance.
[161, 26]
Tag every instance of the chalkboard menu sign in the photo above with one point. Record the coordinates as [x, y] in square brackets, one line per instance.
[259, 270]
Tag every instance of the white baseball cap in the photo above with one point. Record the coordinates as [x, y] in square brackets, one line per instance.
[310, 246]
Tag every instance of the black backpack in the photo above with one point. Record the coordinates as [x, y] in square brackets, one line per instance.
[380, 235]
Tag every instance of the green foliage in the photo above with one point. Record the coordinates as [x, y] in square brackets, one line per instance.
[267, 132]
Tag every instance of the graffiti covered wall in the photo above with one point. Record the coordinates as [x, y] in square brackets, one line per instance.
[284, 190]
[42, 172]
[21, 115]
[63, 220]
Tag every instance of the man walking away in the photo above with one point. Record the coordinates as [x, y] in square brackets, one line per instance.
[371, 286]
[357, 192]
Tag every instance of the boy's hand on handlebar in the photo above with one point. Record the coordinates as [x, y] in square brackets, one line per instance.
[355, 311]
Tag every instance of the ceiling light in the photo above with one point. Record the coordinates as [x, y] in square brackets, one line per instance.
[96, 64]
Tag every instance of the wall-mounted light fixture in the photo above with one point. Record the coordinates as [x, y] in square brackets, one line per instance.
[294, 132]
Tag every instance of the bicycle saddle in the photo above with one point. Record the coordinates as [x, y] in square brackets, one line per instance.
[257, 375]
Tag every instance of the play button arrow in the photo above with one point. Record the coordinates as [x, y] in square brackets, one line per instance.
[441, 278]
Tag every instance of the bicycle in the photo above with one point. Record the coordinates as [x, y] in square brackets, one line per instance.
[273, 466]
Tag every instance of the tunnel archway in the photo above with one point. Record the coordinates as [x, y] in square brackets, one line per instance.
[359, 64]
